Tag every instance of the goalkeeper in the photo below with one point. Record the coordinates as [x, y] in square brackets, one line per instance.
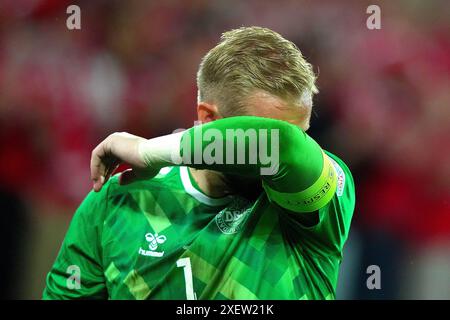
[244, 206]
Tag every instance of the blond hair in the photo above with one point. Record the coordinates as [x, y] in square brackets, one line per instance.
[249, 59]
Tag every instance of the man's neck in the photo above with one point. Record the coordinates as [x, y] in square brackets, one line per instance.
[211, 183]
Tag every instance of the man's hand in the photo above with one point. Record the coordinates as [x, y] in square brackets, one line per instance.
[119, 148]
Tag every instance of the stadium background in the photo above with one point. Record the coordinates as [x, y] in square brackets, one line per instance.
[384, 107]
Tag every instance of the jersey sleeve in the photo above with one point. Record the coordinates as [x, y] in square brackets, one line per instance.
[306, 180]
[327, 231]
[301, 177]
[77, 272]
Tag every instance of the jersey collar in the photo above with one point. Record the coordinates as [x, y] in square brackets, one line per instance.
[197, 194]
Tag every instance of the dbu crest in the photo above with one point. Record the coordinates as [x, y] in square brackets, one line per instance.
[231, 219]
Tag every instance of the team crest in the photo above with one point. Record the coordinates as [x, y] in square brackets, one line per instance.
[154, 241]
[231, 219]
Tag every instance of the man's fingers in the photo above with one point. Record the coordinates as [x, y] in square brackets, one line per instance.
[117, 148]
[98, 171]
[98, 184]
[111, 166]
[98, 167]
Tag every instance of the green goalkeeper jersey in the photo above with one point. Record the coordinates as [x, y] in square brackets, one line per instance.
[165, 239]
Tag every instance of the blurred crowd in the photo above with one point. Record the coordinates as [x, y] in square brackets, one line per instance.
[383, 107]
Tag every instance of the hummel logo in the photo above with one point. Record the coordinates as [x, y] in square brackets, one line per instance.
[154, 240]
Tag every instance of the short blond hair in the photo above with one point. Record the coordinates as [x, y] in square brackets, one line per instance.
[249, 59]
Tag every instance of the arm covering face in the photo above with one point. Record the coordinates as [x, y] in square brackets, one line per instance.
[296, 174]
[299, 176]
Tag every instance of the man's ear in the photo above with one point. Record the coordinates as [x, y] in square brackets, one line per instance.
[207, 112]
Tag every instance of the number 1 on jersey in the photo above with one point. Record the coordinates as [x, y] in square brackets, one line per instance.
[185, 263]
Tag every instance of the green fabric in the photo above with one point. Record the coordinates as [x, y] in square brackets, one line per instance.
[270, 255]
[81, 248]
